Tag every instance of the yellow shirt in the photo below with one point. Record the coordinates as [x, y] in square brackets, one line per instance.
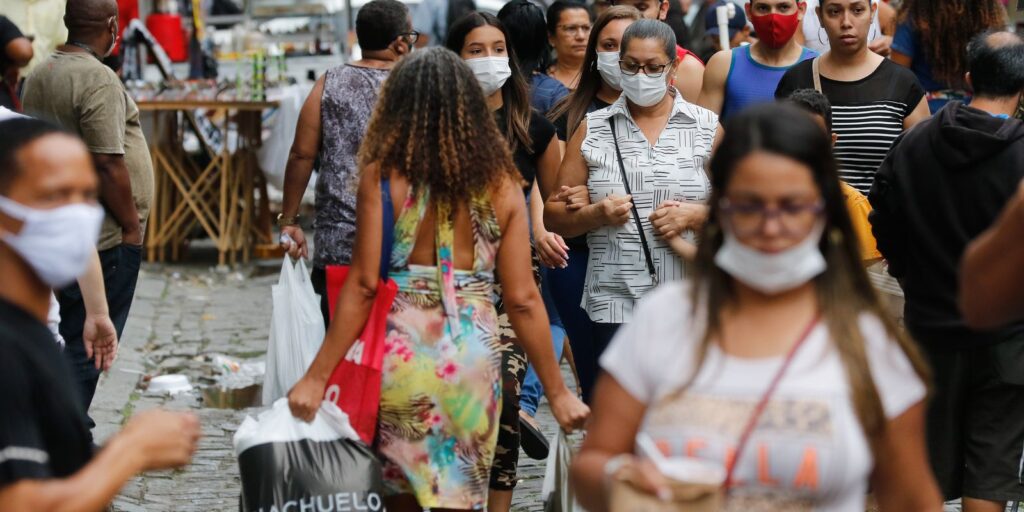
[42, 20]
[859, 208]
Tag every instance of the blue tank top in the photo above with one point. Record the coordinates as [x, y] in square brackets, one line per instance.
[750, 82]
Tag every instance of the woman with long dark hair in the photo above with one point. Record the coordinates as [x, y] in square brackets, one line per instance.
[568, 30]
[482, 40]
[642, 164]
[459, 215]
[774, 370]
[931, 39]
[528, 37]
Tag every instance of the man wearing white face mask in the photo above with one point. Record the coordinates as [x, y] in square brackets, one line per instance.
[76, 91]
[49, 222]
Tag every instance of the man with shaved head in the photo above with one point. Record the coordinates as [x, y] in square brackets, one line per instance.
[73, 89]
[941, 186]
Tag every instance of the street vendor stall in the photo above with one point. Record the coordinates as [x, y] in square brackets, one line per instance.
[214, 190]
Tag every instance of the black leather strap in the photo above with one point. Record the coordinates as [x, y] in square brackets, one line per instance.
[636, 214]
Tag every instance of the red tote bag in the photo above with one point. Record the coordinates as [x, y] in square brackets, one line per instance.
[355, 383]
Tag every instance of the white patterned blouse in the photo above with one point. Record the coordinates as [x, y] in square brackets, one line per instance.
[673, 168]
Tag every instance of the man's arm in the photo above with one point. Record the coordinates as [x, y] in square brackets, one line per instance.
[993, 270]
[152, 440]
[102, 122]
[887, 216]
[116, 195]
[712, 94]
[19, 51]
[299, 168]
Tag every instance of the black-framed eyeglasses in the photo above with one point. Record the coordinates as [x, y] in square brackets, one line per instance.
[631, 68]
[749, 218]
[573, 29]
[410, 37]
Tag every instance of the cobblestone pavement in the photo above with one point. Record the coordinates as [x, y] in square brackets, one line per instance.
[181, 317]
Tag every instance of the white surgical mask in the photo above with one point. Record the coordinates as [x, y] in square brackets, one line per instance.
[643, 90]
[772, 273]
[56, 243]
[608, 66]
[491, 72]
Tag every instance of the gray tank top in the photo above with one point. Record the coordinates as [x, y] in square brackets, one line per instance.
[350, 93]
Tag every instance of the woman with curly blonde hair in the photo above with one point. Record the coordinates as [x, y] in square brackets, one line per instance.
[459, 215]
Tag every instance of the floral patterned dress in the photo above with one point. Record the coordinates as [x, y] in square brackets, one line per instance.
[441, 389]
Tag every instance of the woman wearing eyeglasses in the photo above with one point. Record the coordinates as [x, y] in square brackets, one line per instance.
[775, 369]
[642, 160]
[568, 30]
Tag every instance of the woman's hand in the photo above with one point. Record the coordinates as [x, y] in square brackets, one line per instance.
[568, 409]
[574, 198]
[305, 397]
[614, 210]
[551, 249]
[672, 218]
[644, 475]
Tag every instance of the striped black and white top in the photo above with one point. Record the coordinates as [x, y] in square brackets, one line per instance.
[867, 114]
[673, 168]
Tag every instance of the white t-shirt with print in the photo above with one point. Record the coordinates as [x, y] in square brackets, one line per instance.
[808, 451]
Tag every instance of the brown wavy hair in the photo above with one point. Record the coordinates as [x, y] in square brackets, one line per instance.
[574, 106]
[946, 26]
[844, 291]
[432, 127]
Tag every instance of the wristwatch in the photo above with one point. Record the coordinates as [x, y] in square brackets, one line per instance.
[287, 220]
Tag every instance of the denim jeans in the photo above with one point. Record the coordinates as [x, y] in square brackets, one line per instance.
[532, 388]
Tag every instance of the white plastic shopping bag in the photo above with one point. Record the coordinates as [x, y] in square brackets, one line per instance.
[296, 330]
[288, 464]
[557, 493]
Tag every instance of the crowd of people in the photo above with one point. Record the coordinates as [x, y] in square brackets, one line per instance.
[704, 244]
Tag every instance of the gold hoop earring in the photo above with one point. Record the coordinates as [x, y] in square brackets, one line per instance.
[835, 237]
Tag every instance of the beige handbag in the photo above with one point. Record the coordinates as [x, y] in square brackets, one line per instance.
[693, 496]
[686, 497]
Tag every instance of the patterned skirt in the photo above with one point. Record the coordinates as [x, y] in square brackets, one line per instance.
[440, 395]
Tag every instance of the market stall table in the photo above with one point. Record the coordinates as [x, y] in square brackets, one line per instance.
[218, 196]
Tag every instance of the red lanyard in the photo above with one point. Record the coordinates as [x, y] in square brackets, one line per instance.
[763, 403]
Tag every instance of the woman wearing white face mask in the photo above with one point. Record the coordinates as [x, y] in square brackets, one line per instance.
[482, 40]
[598, 88]
[642, 160]
[775, 366]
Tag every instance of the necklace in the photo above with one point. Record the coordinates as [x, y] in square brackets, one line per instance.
[86, 48]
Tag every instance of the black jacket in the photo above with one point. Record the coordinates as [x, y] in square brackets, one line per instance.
[942, 185]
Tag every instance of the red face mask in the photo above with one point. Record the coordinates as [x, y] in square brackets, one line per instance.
[775, 30]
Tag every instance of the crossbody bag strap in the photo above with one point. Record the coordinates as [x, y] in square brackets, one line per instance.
[816, 73]
[388, 225]
[636, 214]
[763, 402]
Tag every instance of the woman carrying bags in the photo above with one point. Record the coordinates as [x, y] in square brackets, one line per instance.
[460, 215]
